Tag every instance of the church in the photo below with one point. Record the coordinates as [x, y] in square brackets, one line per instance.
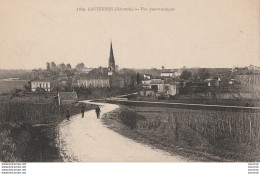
[105, 77]
[111, 62]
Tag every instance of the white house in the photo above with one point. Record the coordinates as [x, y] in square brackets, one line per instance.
[96, 83]
[169, 73]
[43, 84]
[147, 76]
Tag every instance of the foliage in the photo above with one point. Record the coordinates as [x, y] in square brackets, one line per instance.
[203, 74]
[40, 90]
[187, 75]
[79, 66]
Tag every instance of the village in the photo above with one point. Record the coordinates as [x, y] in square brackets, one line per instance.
[191, 85]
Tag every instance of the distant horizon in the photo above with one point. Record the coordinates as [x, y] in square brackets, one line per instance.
[73, 67]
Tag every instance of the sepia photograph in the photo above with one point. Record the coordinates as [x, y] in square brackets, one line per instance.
[129, 81]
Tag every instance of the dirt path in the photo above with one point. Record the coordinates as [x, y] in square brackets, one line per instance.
[88, 140]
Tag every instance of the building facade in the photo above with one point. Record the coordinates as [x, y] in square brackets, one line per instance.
[94, 83]
[169, 73]
[46, 85]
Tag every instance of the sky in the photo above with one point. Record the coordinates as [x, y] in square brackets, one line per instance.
[201, 33]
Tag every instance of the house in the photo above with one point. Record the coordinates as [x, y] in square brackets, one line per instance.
[146, 84]
[67, 98]
[147, 76]
[253, 68]
[169, 73]
[164, 86]
[157, 85]
[95, 83]
[42, 84]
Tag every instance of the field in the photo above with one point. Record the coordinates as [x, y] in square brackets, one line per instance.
[199, 135]
[222, 99]
[7, 86]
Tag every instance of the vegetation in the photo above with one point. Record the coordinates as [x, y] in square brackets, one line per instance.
[199, 135]
[28, 130]
[187, 75]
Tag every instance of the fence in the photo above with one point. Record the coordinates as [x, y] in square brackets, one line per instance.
[242, 127]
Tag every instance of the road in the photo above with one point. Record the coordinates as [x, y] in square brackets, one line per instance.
[88, 140]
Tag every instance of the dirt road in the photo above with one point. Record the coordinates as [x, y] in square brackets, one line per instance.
[88, 140]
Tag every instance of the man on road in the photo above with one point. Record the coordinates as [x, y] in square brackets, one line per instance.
[98, 111]
[68, 113]
[82, 110]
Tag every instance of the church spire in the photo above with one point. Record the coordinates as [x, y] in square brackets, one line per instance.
[111, 62]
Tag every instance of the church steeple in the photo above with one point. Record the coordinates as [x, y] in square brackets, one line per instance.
[111, 62]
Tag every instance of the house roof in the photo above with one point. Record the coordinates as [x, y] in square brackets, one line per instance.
[68, 95]
[156, 81]
[86, 69]
[40, 80]
[93, 79]
[175, 81]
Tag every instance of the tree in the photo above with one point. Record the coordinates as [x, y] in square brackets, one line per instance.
[53, 65]
[27, 87]
[68, 66]
[62, 66]
[203, 74]
[138, 80]
[48, 66]
[79, 66]
[117, 68]
[40, 90]
[187, 75]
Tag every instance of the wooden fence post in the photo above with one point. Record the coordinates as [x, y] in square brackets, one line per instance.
[176, 127]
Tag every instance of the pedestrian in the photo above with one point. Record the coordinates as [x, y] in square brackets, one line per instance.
[68, 113]
[98, 111]
[82, 110]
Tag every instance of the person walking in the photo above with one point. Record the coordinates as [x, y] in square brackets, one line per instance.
[82, 110]
[68, 113]
[98, 111]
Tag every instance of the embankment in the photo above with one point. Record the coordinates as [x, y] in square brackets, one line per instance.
[28, 131]
[195, 134]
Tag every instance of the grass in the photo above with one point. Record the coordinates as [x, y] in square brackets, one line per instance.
[8, 86]
[193, 134]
